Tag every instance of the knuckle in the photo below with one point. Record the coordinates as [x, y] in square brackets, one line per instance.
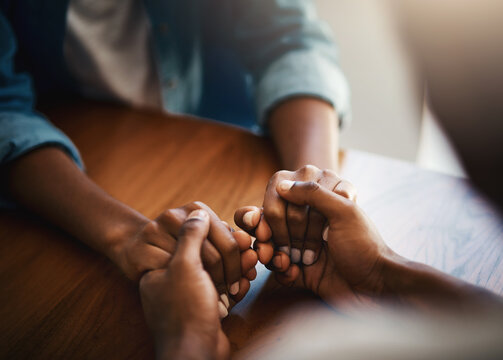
[152, 227]
[296, 216]
[191, 225]
[351, 207]
[312, 186]
[199, 205]
[273, 213]
[167, 215]
[231, 248]
[279, 175]
[326, 173]
[309, 170]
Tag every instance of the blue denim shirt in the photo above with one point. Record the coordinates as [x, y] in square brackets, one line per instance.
[228, 60]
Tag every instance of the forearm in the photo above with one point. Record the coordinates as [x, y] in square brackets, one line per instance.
[184, 344]
[305, 131]
[47, 182]
[423, 287]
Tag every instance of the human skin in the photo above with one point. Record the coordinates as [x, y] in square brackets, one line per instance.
[290, 232]
[305, 131]
[355, 265]
[180, 302]
[47, 182]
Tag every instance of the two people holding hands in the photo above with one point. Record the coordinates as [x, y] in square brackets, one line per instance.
[352, 264]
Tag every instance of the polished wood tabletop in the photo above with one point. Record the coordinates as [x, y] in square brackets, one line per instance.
[59, 299]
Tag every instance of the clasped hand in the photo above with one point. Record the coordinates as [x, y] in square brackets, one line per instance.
[226, 254]
[309, 232]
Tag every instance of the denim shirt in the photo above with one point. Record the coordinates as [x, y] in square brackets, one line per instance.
[230, 60]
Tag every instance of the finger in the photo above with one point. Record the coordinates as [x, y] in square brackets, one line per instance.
[243, 239]
[263, 232]
[212, 262]
[264, 251]
[248, 260]
[244, 286]
[297, 219]
[280, 261]
[247, 218]
[346, 189]
[159, 259]
[226, 224]
[288, 277]
[251, 274]
[223, 346]
[191, 236]
[223, 308]
[227, 246]
[313, 239]
[220, 237]
[158, 236]
[275, 213]
[329, 204]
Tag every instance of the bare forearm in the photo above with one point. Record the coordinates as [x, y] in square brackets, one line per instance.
[48, 183]
[423, 287]
[186, 346]
[305, 131]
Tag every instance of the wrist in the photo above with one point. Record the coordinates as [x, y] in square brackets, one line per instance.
[119, 232]
[403, 280]
[305, 131]
[390, 275]
[186, 345]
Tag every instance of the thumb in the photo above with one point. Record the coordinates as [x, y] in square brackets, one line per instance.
[192, 234]
[328, 203]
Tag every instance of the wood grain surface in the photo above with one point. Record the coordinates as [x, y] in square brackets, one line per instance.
[59, 299]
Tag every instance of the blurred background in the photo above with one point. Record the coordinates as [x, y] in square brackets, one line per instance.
[389, 116]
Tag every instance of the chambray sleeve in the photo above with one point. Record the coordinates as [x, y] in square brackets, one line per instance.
[21, 128]
[288, 51]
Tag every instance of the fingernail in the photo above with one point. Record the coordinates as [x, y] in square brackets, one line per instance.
[295, 255]
[277, 261]
[286, 185]
[325, 233]
[284, 249]
[222, 310]
[225, 300]
[199, 213]
[308, 257]
[234, 289]
[249, 218]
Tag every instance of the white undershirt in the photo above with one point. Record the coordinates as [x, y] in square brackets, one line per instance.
[109, 51]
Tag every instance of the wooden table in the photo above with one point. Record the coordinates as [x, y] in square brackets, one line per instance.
[61, 300]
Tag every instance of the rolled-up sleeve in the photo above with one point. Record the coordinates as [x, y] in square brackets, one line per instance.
[21, 128]
[22, 133]
[288, 51]
[315, 76]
